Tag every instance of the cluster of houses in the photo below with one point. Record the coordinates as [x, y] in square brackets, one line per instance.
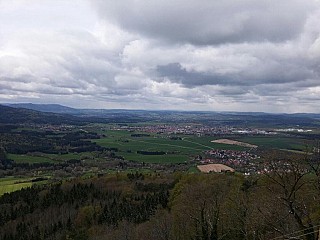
[242, 161]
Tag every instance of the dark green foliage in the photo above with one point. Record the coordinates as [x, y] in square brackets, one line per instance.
[76, 206]
[24, 141]
[187, 206]
[140, 135]
[9, 115]
[151, 153]
[4, 161]
[3, 154]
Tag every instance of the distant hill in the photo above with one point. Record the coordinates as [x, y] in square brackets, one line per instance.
[54, 108]
[242, 119]
[10, 115]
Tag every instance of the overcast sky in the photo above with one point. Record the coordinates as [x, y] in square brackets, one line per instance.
[228, 55]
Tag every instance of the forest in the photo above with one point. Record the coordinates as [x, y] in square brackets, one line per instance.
[280, 204]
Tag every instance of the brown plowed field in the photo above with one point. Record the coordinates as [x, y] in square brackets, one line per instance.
[214, 168]
[233, 142]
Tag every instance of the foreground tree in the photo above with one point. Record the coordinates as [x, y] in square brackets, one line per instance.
[201, 208]
[291, 186]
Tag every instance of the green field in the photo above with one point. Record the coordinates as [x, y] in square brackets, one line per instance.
[47, 158]
[29, 159]
[178, 151]
[173, 151]
[277, 142]
[11, 184]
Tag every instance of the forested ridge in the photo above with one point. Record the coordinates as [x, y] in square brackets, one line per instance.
[167, 206]
[11, 115]
[25, 141]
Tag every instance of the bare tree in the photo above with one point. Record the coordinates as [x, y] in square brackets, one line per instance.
[291, 186]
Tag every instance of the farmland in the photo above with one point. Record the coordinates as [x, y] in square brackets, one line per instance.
[177, 150]
[163, 148]
[11, 184]
[66, 151]
[180, 148]
[47, 158]
[140, 149]
[278, 142]
[232, 142]
[91, 180]
[29, 159]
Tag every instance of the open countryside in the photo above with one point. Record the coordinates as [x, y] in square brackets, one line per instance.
[83, 172]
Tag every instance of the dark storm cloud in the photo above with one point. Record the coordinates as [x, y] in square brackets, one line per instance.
[174, 72]
[209, 22]
[275, 74]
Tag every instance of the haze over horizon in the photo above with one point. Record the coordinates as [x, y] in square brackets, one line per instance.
[259, 56]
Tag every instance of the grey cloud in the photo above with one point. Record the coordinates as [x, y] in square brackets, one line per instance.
[231, 91]
[209, 22]
[176, 73]
[276, 73]
[59, 63]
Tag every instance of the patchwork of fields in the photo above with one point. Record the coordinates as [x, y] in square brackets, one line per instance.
[153, 148]
[164, 149]
[176, 150]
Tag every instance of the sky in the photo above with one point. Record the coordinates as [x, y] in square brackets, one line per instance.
[230, 55]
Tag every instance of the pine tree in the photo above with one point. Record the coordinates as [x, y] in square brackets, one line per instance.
[3, 155]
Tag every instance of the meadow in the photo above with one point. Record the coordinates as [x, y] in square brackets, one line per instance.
[186, 147]
[11, 184]
[164, 148]
[277, 142]
[47, 158]
[23, 158]
[177, 151]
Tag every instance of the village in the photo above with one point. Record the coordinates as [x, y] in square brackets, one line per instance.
[195, 129]
[242, 161]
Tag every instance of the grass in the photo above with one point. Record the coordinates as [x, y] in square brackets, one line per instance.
[68, 156]
[29, 159]
[167, 158]
[47, 158]
[11, 184]
[193, 170]
[182, 150]
[178, 151]
[295, 151]
[277, 142]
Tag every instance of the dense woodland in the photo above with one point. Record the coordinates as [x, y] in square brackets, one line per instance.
[281, 204]
[26, 141]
